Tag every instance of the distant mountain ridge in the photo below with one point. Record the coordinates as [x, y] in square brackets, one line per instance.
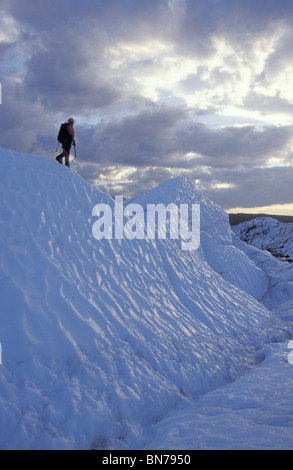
[267, 233]
[236, 219]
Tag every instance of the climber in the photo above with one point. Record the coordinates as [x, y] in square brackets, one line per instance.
[66, 137]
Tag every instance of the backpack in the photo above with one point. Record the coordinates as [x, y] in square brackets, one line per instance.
[63, 133]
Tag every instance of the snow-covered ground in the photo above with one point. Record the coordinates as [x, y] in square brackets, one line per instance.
[268, 234]
[135, 344]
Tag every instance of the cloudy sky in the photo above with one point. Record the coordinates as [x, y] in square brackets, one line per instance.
[158, 88]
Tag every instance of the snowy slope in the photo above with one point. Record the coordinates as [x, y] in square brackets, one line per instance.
[103, 339]
[217, 242]
[253, 413]
[275, 240]
[268, 234]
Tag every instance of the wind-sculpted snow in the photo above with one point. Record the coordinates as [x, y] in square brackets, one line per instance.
[217, 239]
[102, 339]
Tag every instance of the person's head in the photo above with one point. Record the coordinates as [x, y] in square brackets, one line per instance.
[70, 121]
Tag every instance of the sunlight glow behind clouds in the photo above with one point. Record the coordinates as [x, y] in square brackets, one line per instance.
[151, 64]
[274, 209]
[222, 81]
[161, 88]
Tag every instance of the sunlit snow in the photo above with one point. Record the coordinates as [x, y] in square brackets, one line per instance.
[135, 344]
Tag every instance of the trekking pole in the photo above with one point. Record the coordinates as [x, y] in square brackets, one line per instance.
[75, 151]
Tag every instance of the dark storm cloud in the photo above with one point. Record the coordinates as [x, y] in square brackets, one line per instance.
[62, 58]
[66, 67]
[66, 81]
[165, 136]
[20, 119]
[42, 14]
[143, 139]
[231, 146]
[268, 185]
[239, 19]
[231, 156]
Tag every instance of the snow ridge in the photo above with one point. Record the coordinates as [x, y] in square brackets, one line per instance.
[102, 340]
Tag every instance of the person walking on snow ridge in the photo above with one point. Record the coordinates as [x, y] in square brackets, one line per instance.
[66, 137]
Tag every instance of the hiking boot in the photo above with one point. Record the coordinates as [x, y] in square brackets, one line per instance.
[59, 159]
[67, 164]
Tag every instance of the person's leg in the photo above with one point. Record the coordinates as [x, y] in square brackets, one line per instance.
[66, 158]
[65, 154]
[66, 151]
[59, 158]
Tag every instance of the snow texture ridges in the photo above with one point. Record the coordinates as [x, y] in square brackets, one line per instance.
[103, 339]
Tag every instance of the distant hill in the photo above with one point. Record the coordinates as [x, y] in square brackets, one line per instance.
[236, 219]
[267, 233]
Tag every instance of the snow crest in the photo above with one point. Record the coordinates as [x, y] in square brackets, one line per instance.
[103, 339]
